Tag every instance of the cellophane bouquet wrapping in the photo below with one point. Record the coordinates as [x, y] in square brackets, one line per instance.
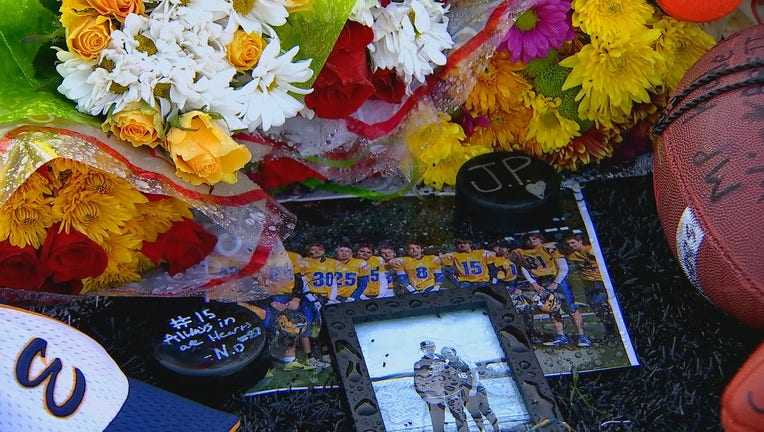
[79, 217]
[416, 88]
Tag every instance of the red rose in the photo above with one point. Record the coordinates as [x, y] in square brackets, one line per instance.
[344, 83]
[72, 256]
[20, 268]
[282, 171]
[388, 86]
[184, 245]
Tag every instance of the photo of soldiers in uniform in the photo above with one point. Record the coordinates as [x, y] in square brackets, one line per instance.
[441, 372]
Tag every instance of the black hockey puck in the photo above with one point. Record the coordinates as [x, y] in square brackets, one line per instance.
[505, 192]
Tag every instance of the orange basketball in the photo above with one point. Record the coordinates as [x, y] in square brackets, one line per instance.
[698, 10]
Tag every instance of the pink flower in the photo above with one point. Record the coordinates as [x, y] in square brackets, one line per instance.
[544, 26]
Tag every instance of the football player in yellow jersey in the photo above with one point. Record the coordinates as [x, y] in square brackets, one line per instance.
[377, 286]
[387, 253]
[320, 287]
[418, 272]
[506, 269]
[318, 272]
[473, 267]
[351, 275]
[506, 273]
[546, 269]
[581, 258]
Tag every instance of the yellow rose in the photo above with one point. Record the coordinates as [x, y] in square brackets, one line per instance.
[87, 35]
[203, 152]
[137, 123]
[244, 50]
[118, 9]
[298, 5]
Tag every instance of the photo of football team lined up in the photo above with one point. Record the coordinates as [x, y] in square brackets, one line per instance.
[553, 275]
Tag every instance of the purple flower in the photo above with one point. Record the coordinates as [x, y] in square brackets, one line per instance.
[469, 123]
[544, 26]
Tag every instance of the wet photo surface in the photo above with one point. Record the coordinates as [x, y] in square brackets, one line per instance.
[443, 371]
[351, 250]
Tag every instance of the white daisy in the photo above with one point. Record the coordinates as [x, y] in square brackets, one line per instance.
[192, 11]
[361, 11]
[411, 47]
[267, 100]
[252, 15]
[217, 96]
[75, 72]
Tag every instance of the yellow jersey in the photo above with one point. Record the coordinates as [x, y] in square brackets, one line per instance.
[350, 276]
[586, 262]
[470, 266]
[420, 273]
[319, 275]
[540, 260]
[377, 277]
[506, 269]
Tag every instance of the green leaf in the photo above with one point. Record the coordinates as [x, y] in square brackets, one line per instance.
[22, 91]
[315, 31]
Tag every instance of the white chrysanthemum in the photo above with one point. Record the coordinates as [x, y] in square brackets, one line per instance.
[411, 47]
[114, 86]
[75, 72]
[192, 11]
[362, 11]
[217, 96]
[253, 15]
[267, 100]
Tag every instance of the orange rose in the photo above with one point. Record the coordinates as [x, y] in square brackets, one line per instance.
[87, 35]
[138, 124]
[244, 50]
[203, 152]
[118, 9]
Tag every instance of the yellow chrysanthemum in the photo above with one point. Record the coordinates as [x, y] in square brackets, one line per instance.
[607, 18]
[110, 279]
[96, 215]
[155, 217]
[444, 172]
[34, 187]
[143, 263]
[591, 147]
[615, 74]
[61, 168]
[550, 129]
[681, 44]
[439, 151]
[101, 182]
[506, 130]
[434, 142]
[25, 220]
[499, 85]
[121, 250]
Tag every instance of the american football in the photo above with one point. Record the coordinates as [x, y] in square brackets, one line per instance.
[743, 399]
[709, 174]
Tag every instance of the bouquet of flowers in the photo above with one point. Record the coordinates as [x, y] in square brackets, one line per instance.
[582, 78]
[573, 82]
[393, 61]
[183, 75]
[78, 218]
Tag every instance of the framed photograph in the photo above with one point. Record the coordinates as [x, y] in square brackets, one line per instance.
[455, 360]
